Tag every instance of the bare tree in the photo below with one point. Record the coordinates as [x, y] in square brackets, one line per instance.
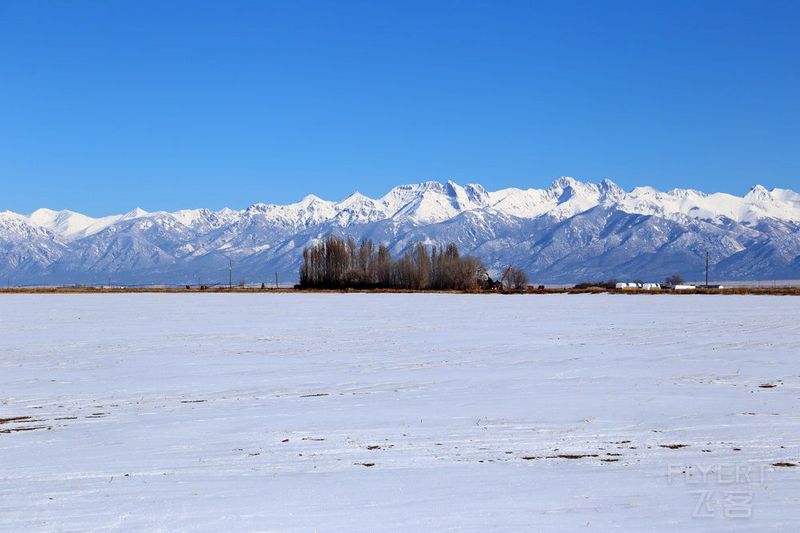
[383, 266]
[423, 267]
[675, 279]
[517, 280]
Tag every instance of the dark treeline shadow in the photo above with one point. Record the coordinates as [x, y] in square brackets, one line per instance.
[338, 263]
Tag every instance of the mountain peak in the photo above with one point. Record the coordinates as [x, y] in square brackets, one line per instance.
[759, 193]
[606, 183]
[310, 199]
[452, 188]
[610, 192]
[135, 213]
[43, 213]
[564, 182]
[355, 196]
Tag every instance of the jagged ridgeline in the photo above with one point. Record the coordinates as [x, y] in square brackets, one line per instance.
[337, 263]
[567, 233]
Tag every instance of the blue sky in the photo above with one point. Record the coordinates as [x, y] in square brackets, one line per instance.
[105, 106]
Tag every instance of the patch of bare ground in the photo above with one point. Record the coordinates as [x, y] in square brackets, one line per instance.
[22, 428]
[15, 428]
[15, 419]
[559, 456]
[673, 446]
[784, 464]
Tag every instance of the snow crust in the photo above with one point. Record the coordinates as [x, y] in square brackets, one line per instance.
[256, 412]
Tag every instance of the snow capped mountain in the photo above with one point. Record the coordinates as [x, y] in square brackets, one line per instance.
[71, 225]
[570, 231]
[758, 204]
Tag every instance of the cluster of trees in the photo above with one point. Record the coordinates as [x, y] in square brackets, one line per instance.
[337, 263]
[606, 284]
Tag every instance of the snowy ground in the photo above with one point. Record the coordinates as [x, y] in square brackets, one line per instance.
[337, 412]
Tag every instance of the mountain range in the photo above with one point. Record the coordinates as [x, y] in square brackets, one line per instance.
[569, 232]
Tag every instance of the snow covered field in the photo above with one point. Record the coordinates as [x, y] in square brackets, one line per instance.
[338, 412]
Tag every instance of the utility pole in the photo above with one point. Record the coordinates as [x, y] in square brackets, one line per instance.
[230, 274]
[276, 280]
[706, 269]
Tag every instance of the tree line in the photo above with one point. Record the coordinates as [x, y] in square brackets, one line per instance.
[338, 263]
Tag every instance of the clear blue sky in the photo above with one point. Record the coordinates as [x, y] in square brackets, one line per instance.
[105, 106]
